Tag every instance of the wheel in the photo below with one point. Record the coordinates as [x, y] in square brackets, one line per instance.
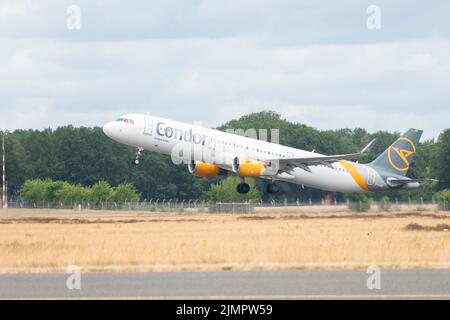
[243, 187]
[135, 162]
[272, 188]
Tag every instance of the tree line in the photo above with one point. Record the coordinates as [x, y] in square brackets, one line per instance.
[84, 158]
[45, 190]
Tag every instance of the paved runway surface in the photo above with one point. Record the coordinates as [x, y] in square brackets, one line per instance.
[237, 285]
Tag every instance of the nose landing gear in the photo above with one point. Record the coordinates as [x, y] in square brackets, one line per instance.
[136, 161]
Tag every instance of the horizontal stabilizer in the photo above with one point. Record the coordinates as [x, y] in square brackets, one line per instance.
[398, 182]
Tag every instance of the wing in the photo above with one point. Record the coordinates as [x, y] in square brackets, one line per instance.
[287, 164]
[398, 182]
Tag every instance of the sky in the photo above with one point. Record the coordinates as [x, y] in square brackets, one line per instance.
[326, 64]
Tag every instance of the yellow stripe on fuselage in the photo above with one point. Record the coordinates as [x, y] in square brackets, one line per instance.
[355, 174]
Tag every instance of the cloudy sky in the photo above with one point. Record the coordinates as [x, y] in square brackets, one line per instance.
[315, 62]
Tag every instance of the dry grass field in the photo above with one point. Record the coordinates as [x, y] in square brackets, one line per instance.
[47, 241]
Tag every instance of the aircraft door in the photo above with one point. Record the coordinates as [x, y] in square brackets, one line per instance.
[148, 130]
[209, 149]
[371, 177]
[148, 126]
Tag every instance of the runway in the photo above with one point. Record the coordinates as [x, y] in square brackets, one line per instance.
[395, 284]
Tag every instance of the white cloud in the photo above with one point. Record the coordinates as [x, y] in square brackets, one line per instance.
[194, 75]
[361, 116]
[12, 9]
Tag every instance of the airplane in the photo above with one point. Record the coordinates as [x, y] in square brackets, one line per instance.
[211, 153]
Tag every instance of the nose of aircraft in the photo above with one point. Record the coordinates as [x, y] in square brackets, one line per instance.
[108, 129]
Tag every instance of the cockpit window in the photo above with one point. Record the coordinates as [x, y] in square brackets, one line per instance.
[126, 120]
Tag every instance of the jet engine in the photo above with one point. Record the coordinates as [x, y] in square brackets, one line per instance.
[252, 168]
[204, 169]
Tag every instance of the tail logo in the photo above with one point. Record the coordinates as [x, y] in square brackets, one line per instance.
[400, 152]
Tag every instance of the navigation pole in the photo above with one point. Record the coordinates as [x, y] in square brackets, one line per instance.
[4, 194]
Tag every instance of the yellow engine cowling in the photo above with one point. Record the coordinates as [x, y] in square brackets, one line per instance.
[250, 168]
[203, 169]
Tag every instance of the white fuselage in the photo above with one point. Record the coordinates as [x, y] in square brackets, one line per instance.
[208, 145]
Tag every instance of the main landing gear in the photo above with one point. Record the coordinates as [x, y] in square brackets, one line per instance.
[139, 151]
[272, 188]
[243, 187]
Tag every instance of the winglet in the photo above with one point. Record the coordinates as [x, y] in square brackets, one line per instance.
[369, 146]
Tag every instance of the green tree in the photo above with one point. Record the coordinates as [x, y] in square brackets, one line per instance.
[358, 202]
[40, 190]
[442, 160]
[73, 193]
[100, 192]
[443, 195]
[85, 156]
[32, 190]
[125, 192]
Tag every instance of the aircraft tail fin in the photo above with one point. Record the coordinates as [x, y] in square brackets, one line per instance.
[397, 158]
